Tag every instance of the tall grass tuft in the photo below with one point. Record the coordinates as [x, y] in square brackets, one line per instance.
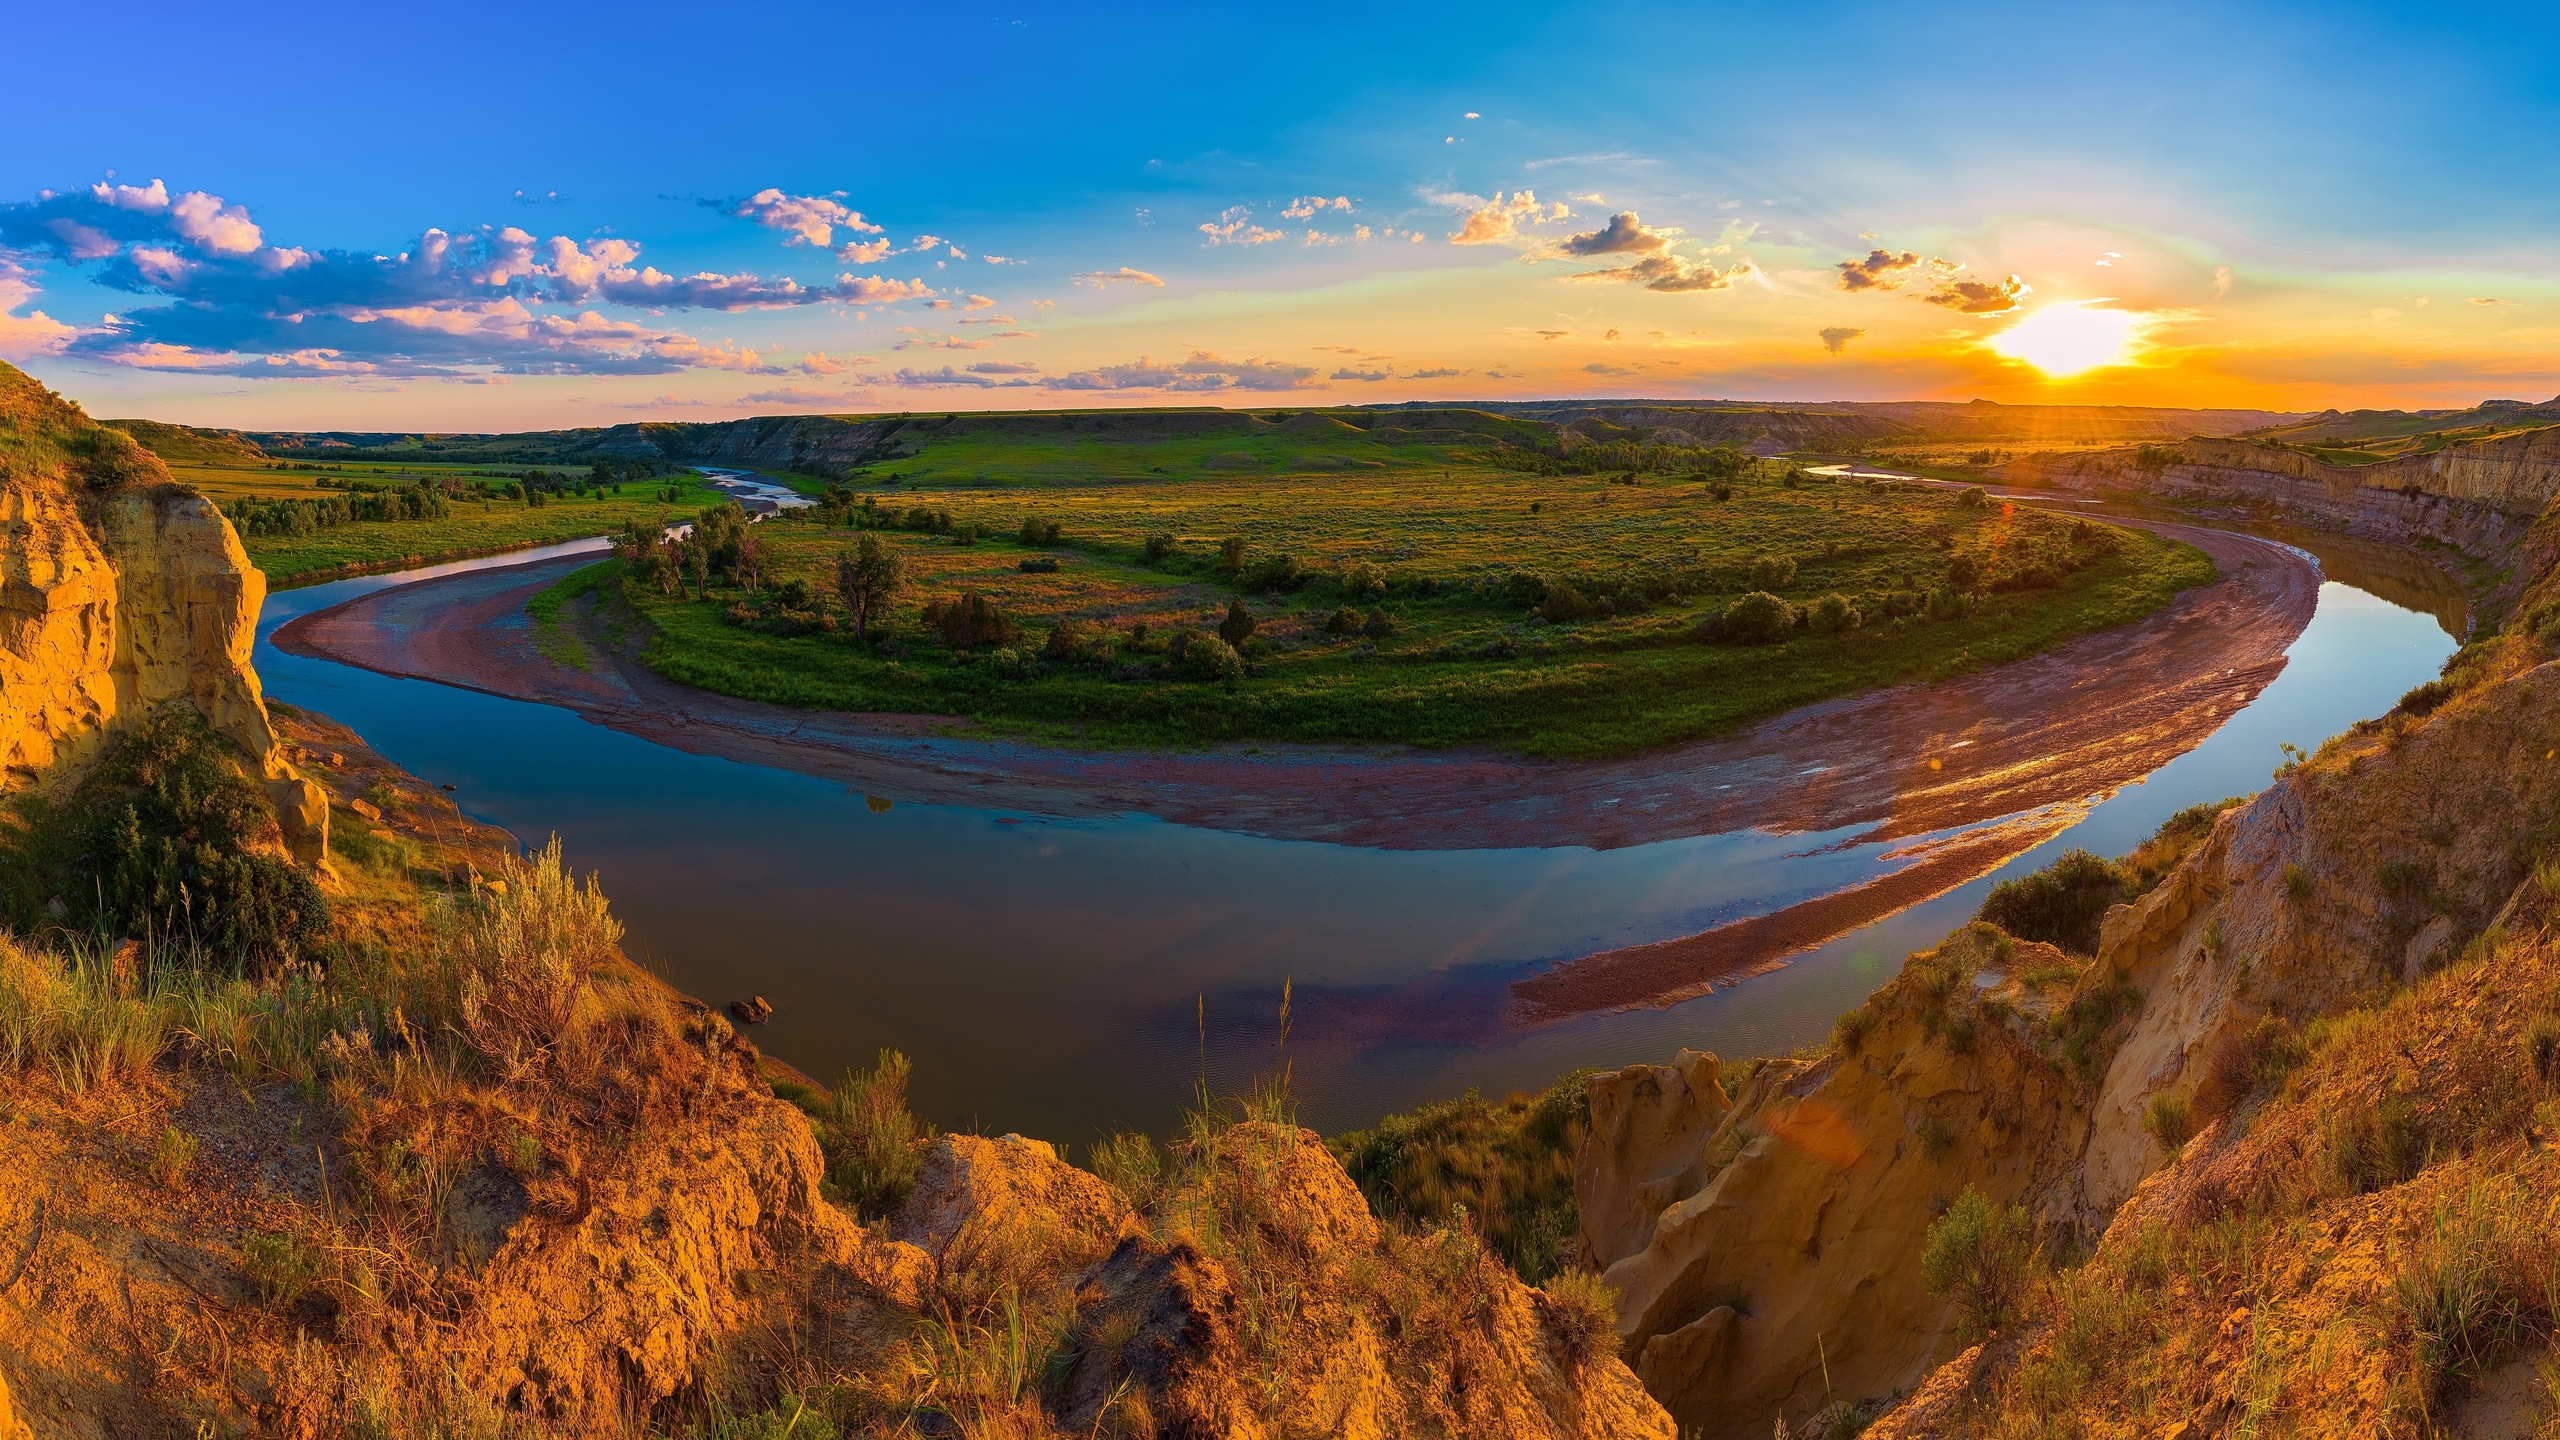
[525, 952]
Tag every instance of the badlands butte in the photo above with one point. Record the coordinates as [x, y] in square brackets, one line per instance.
[2250, 1132]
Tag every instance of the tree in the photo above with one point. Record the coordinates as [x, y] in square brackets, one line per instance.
[1239, 625]
[750, 563]
[866, 577]
[697, 563]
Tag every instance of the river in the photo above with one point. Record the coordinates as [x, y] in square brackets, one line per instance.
[1063, 978]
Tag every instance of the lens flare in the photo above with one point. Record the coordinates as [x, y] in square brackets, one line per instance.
[2072, 338]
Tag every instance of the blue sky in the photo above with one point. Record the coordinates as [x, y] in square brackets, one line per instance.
[2251, 205]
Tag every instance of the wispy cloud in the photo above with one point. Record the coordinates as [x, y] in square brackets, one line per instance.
[1200, 371]
[1671, 274]
[1105, 279]
[1234, 226]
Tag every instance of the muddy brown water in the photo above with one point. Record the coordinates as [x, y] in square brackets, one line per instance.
[1063, 975]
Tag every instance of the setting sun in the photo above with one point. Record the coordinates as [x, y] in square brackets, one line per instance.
[2072, 338]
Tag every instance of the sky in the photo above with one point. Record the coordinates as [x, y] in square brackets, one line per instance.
[475, 217]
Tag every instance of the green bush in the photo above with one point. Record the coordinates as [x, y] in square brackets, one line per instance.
[1239, 625]
[1360, 580]
[1758, 618]
[1564, 604]
[1378, 626]
[1345, 621]
[1772, 572]
[2062, 904]
[168, 836]
[1157, 545]
[2169, 1121]
[869, 1138]
[1981, 1255]
[1832, 614]
[281, 1266]
[1207, 657]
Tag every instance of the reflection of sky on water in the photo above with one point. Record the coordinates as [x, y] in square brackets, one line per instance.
[1048, 975]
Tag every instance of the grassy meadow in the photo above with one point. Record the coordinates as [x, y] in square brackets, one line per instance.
[471, 525]
[1556, 615]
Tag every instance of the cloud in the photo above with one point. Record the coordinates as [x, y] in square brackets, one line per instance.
[1002, 260]
[1980, 297]
[1671, 275]
[1836, 338]
[449, 305]
[2488, 300]
[1306, 206]
[1598, 367]
[818, 362]
[794, 395]
[865, 252]
[990, 320]
[1201, 371]
[23, 337]
[1005, 367]
[810, 220]
[1437, 373]
[1234, 226]
[1623, 235]
[1496, 221]
[2222, 278]
[1105, 279]
[1383, 372]
[1881, 270]
[947, 378]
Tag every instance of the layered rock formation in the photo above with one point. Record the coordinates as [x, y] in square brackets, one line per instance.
[1792, 1232]
[121, 592]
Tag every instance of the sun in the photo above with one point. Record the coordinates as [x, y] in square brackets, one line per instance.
[2072, 338]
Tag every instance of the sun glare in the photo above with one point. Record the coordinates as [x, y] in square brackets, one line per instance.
[2072, 337]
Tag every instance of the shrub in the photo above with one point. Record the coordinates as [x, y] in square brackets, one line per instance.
[1231, 553]
[1850, 1030]
[1832, 614]
[281, 1266]
[2475, 1281]
[525, 952]
[1360, 579]
[1207, 657]
[1506, 1165]
[972, 619]
[1069, 639]
[1584, 1312]
[170, 836]
[1239, 625]
[2062, 904]
[1037, 565]
[173, 1156]
[1273, 572]
[1157, 545]
[2169, 1122]
[2425, 698]
[1036, 531]
[1980, 1255]
[1973, 497]
[2297, 881]
[1758, 618]
[1772, 572]
[1564, 604]
[868, 1136]
[2371, 1144]
[1721, 490]
[2542, 1047]
[1935, 1137]
[1378, 626]
[1345, 621]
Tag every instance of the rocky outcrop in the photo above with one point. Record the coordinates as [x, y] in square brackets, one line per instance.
[121, 592]
[1646, 1149]
[1791, 1275]
[2479, 498]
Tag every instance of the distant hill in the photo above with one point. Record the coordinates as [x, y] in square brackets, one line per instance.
[2384, 434]
[189, 442]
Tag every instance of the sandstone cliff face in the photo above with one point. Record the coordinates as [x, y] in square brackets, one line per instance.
[119, 593]
[1791, 1274]
[2479, 498]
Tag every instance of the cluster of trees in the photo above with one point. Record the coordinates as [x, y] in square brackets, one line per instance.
[254, 516]
[720, 546]
[1629, 458]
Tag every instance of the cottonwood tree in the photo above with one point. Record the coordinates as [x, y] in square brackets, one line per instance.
[866, 577]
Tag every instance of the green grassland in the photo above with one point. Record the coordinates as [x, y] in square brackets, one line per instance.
[470, 526]
[1553, 615]
[1048, 449]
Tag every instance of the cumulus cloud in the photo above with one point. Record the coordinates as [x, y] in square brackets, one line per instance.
[865, 252]
[1382, 372]
[1623, 235]
[1306, 206]
[1981, 297]
[1500, 219]
[818, 362]
[1004, 367]
[24, 337]
[810, 220]
[1881, 270]
[1671, 274]
[1436, 373]
[1836, 338]
[1200, 371]
[1235, 226]
[451, 304]
[1105, 279]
